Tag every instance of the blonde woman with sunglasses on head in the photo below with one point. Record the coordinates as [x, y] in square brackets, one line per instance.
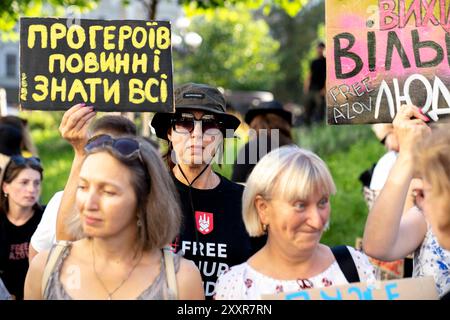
[128, 213]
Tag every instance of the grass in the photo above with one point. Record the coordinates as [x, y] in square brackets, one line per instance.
[349, 210]
[348, 151]
[56, 156]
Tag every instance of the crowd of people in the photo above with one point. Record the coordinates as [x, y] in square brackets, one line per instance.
[132, 223]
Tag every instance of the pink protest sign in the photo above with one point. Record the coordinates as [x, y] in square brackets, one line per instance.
[385, 53]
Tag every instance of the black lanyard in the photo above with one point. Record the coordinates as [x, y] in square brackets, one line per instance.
[190, 196]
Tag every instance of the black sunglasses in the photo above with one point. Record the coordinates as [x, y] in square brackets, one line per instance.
[186, 124]
[20, 161]
[125, 147]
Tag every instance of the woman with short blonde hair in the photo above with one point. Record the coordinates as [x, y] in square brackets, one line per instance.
[291, 172]
[287, 197]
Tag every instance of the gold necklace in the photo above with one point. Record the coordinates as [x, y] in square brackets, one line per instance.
[110, 294]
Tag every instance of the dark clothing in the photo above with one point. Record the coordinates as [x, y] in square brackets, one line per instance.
[314, 99]
[243, 165]
[252, 152]
[314, 107]
[14, 244]
[318, 71]
[217, 224]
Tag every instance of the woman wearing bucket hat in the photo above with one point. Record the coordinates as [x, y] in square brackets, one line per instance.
[270, 126]
[213, 234]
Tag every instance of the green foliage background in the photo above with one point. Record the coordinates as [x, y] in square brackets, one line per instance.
[11, 10]
[240, 52]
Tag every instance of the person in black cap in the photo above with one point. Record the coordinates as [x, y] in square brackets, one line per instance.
[27, 146]
[270, 128]
[213, 234]
[10, 140]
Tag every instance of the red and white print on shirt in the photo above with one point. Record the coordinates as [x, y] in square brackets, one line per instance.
[204, 222]
[327, 282]
[175, 244]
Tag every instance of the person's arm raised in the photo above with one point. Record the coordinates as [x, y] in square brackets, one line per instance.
[388, 234]
[74, 128]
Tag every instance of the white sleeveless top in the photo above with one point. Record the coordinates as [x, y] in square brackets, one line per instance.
[242, 282]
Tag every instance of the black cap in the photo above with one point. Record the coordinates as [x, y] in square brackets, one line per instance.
[268, 107]
[10, 140]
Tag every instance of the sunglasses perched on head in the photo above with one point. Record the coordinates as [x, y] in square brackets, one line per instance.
[125, 147]
[128, 148]
[20, 161]
[185, 123]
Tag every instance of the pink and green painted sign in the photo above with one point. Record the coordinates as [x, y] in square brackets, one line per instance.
[385, 53]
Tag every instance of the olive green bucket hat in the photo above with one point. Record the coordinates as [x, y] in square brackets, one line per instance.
[194, 96]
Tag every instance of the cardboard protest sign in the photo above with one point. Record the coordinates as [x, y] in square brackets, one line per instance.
[385, 53]
[115, 65]
[402, 289]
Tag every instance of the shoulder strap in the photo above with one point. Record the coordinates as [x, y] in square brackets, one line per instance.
[445, 297]
[51, 262]
[345, 261]
[170, 271]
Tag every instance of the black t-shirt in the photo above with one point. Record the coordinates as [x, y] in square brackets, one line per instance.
[244, 164]
[318, 74]
[14, 244]
[222, 239]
